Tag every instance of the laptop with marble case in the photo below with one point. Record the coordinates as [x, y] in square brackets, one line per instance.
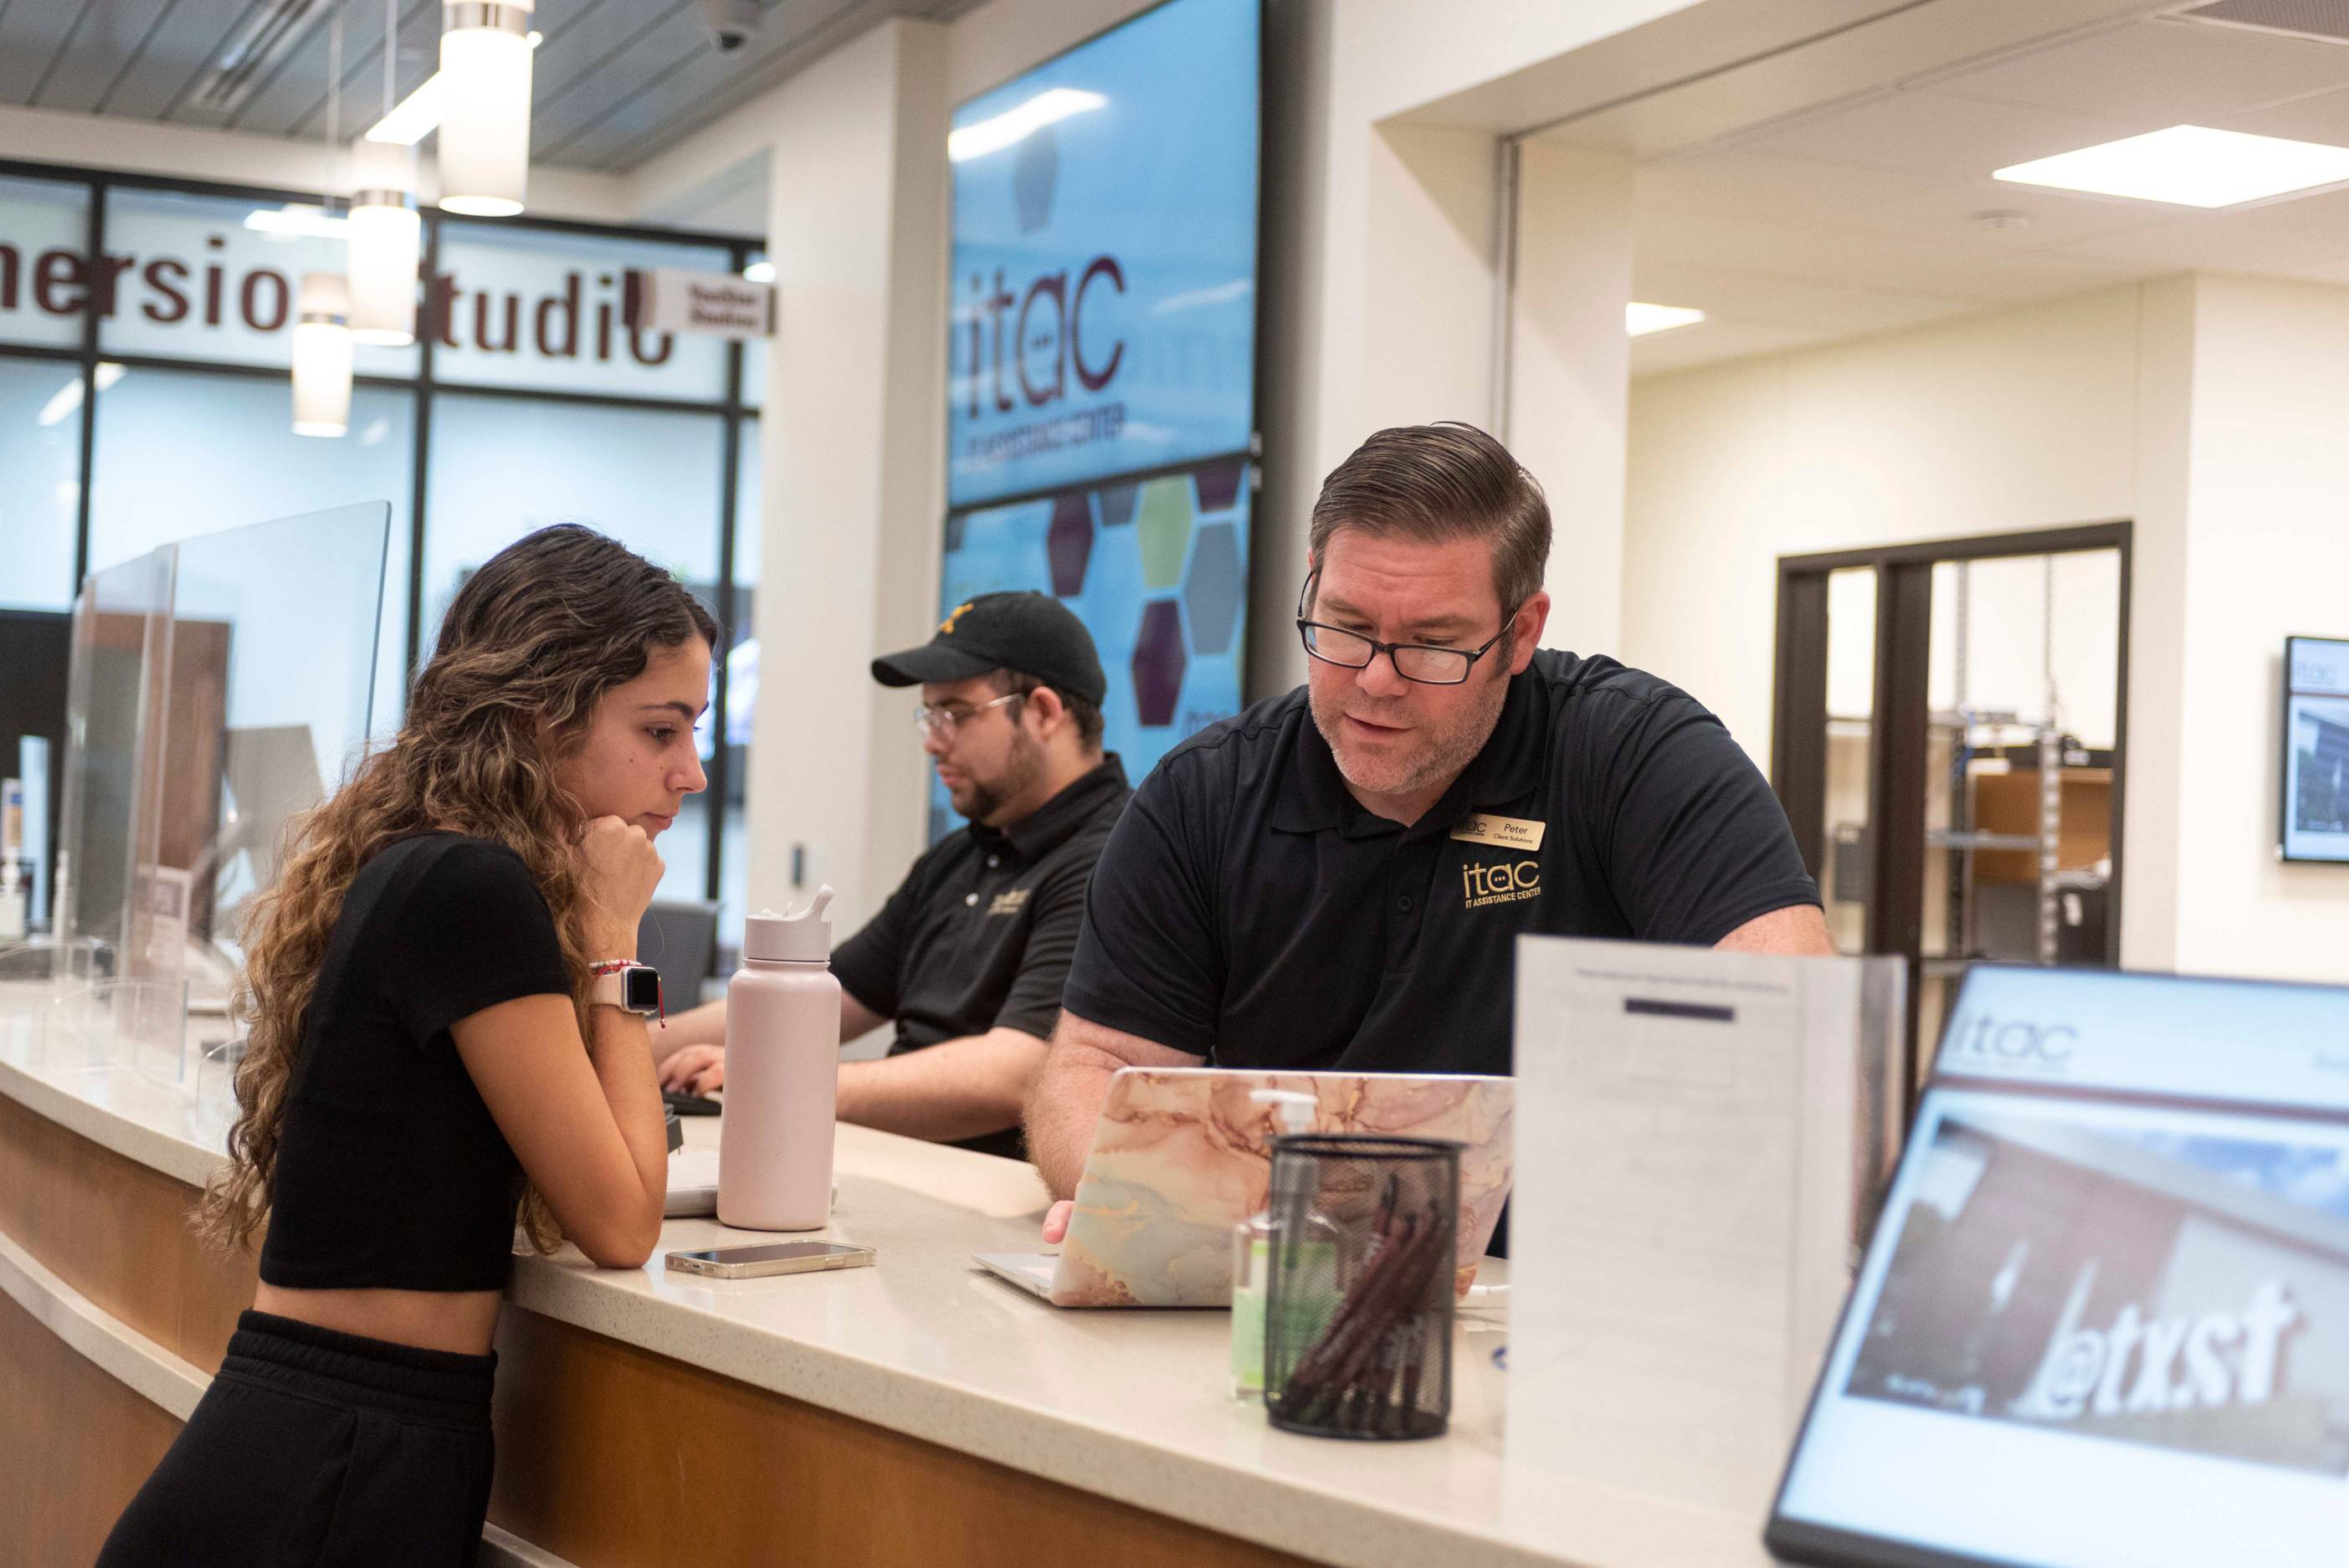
[1181, 1155]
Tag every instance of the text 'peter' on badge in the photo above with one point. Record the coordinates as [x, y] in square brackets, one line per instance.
[1501, 832]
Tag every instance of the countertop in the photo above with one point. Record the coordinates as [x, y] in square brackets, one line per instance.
[1127, 1404]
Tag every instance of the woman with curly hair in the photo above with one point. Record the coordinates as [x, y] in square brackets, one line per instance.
[429, 1058]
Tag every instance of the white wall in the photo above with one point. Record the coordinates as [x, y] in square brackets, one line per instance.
[2209, 410]
[2267, 555]
[1992, 424]
[1378, 244]
[850, 442]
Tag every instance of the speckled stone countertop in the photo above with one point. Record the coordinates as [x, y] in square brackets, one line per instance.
[1127, 1404]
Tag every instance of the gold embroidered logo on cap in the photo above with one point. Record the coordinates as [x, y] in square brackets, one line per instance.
[946, 626]
[1501, 832]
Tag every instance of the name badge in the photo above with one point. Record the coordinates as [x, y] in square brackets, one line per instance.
[1501, 832]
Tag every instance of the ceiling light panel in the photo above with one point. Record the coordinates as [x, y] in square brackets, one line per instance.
[2189, 166]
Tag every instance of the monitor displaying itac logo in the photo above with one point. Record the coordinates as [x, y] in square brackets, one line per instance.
[1104, 258]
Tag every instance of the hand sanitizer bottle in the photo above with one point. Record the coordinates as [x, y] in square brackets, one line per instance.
[1252, 1257]
[782, 1074]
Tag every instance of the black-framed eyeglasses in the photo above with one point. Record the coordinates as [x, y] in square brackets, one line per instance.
[1420, 662]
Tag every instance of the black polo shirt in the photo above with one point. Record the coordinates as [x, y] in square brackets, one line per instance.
[1247, 910]
[980, 931]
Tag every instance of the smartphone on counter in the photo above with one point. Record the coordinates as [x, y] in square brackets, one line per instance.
[770, 1258]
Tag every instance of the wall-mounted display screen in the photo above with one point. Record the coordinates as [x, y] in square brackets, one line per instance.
[1104, 296]
[2104, 1319]
[2315, 749]
[1157, 570]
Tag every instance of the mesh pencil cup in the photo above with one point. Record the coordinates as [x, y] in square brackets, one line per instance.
[1358, 1319]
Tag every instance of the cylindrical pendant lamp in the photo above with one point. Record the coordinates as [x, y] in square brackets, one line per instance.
[386, 235]
[322, 356]
[485, 106]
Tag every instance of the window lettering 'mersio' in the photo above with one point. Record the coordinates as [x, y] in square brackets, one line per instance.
[580, 318]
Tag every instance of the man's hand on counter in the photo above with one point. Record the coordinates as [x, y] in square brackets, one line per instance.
[1056, 1221]
[696, 1070]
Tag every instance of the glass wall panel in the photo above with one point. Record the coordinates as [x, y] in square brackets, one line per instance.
[502, 466]
[741, 691]
[197, 280]
[44, 262]
[754, 373]
[40, 482]
[524, 307]
[182, 453]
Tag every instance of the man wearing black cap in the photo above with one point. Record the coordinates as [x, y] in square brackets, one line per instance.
[967, 958]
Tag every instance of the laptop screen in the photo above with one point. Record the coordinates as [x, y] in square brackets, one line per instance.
[2105, 1320]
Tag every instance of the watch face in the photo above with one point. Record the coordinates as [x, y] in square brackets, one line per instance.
[641, 990]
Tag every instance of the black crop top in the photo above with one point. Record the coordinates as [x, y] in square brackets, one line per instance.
[390, 1171]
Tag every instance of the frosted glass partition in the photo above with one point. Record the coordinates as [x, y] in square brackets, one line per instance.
[220, 684]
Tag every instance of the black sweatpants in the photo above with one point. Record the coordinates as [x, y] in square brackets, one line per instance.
[313, 1449]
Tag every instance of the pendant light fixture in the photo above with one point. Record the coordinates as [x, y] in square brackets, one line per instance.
[485, 106]
[385, 230]
[322, 326]
[322, 356]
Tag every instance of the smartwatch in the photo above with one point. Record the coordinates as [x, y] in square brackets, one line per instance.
[628, 986]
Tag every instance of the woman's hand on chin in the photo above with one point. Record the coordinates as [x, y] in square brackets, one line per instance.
[619, 870]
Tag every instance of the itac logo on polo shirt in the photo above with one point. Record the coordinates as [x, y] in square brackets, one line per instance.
[946, 626]
[1510, 881]
[1010, 903]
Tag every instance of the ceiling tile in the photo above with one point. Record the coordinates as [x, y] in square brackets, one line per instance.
[1951, 215]
[1709, 342]
[1849, 310]
[417, 56]
[1715, 290]
[113, 32]
[616, 50]
[723, 83]
[1933, 133]
[193, 32]
[2320, 117]
[2157, 74]
[1750, 184]
[31, 38]
[1859, 259]
[2313, 229]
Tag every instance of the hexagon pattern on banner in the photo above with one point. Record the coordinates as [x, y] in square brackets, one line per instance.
[1166, 530]
[1211, 593]
[1069, 542]
[1158, 575]
[1158, 661]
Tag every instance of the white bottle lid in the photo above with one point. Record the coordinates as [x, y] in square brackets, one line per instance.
[1295, 1109]
[796, 936]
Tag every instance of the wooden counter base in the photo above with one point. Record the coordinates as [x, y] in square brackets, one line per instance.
[607, 1454]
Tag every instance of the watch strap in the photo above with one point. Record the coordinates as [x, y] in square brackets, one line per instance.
[609, 988]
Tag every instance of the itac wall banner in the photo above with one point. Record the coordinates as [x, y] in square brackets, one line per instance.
[1104, 257]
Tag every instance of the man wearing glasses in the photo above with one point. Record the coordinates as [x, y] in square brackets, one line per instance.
[968, 957]
[1335, 879]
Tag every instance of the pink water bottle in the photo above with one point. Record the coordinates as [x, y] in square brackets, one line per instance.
[782, 1067]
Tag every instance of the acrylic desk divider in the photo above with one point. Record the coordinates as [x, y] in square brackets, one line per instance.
[1702, 1140]
[219, 686]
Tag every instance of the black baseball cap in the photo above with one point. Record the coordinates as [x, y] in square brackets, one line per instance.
[1031, 632]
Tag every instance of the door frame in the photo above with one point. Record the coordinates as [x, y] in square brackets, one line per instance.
[1897, 775]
